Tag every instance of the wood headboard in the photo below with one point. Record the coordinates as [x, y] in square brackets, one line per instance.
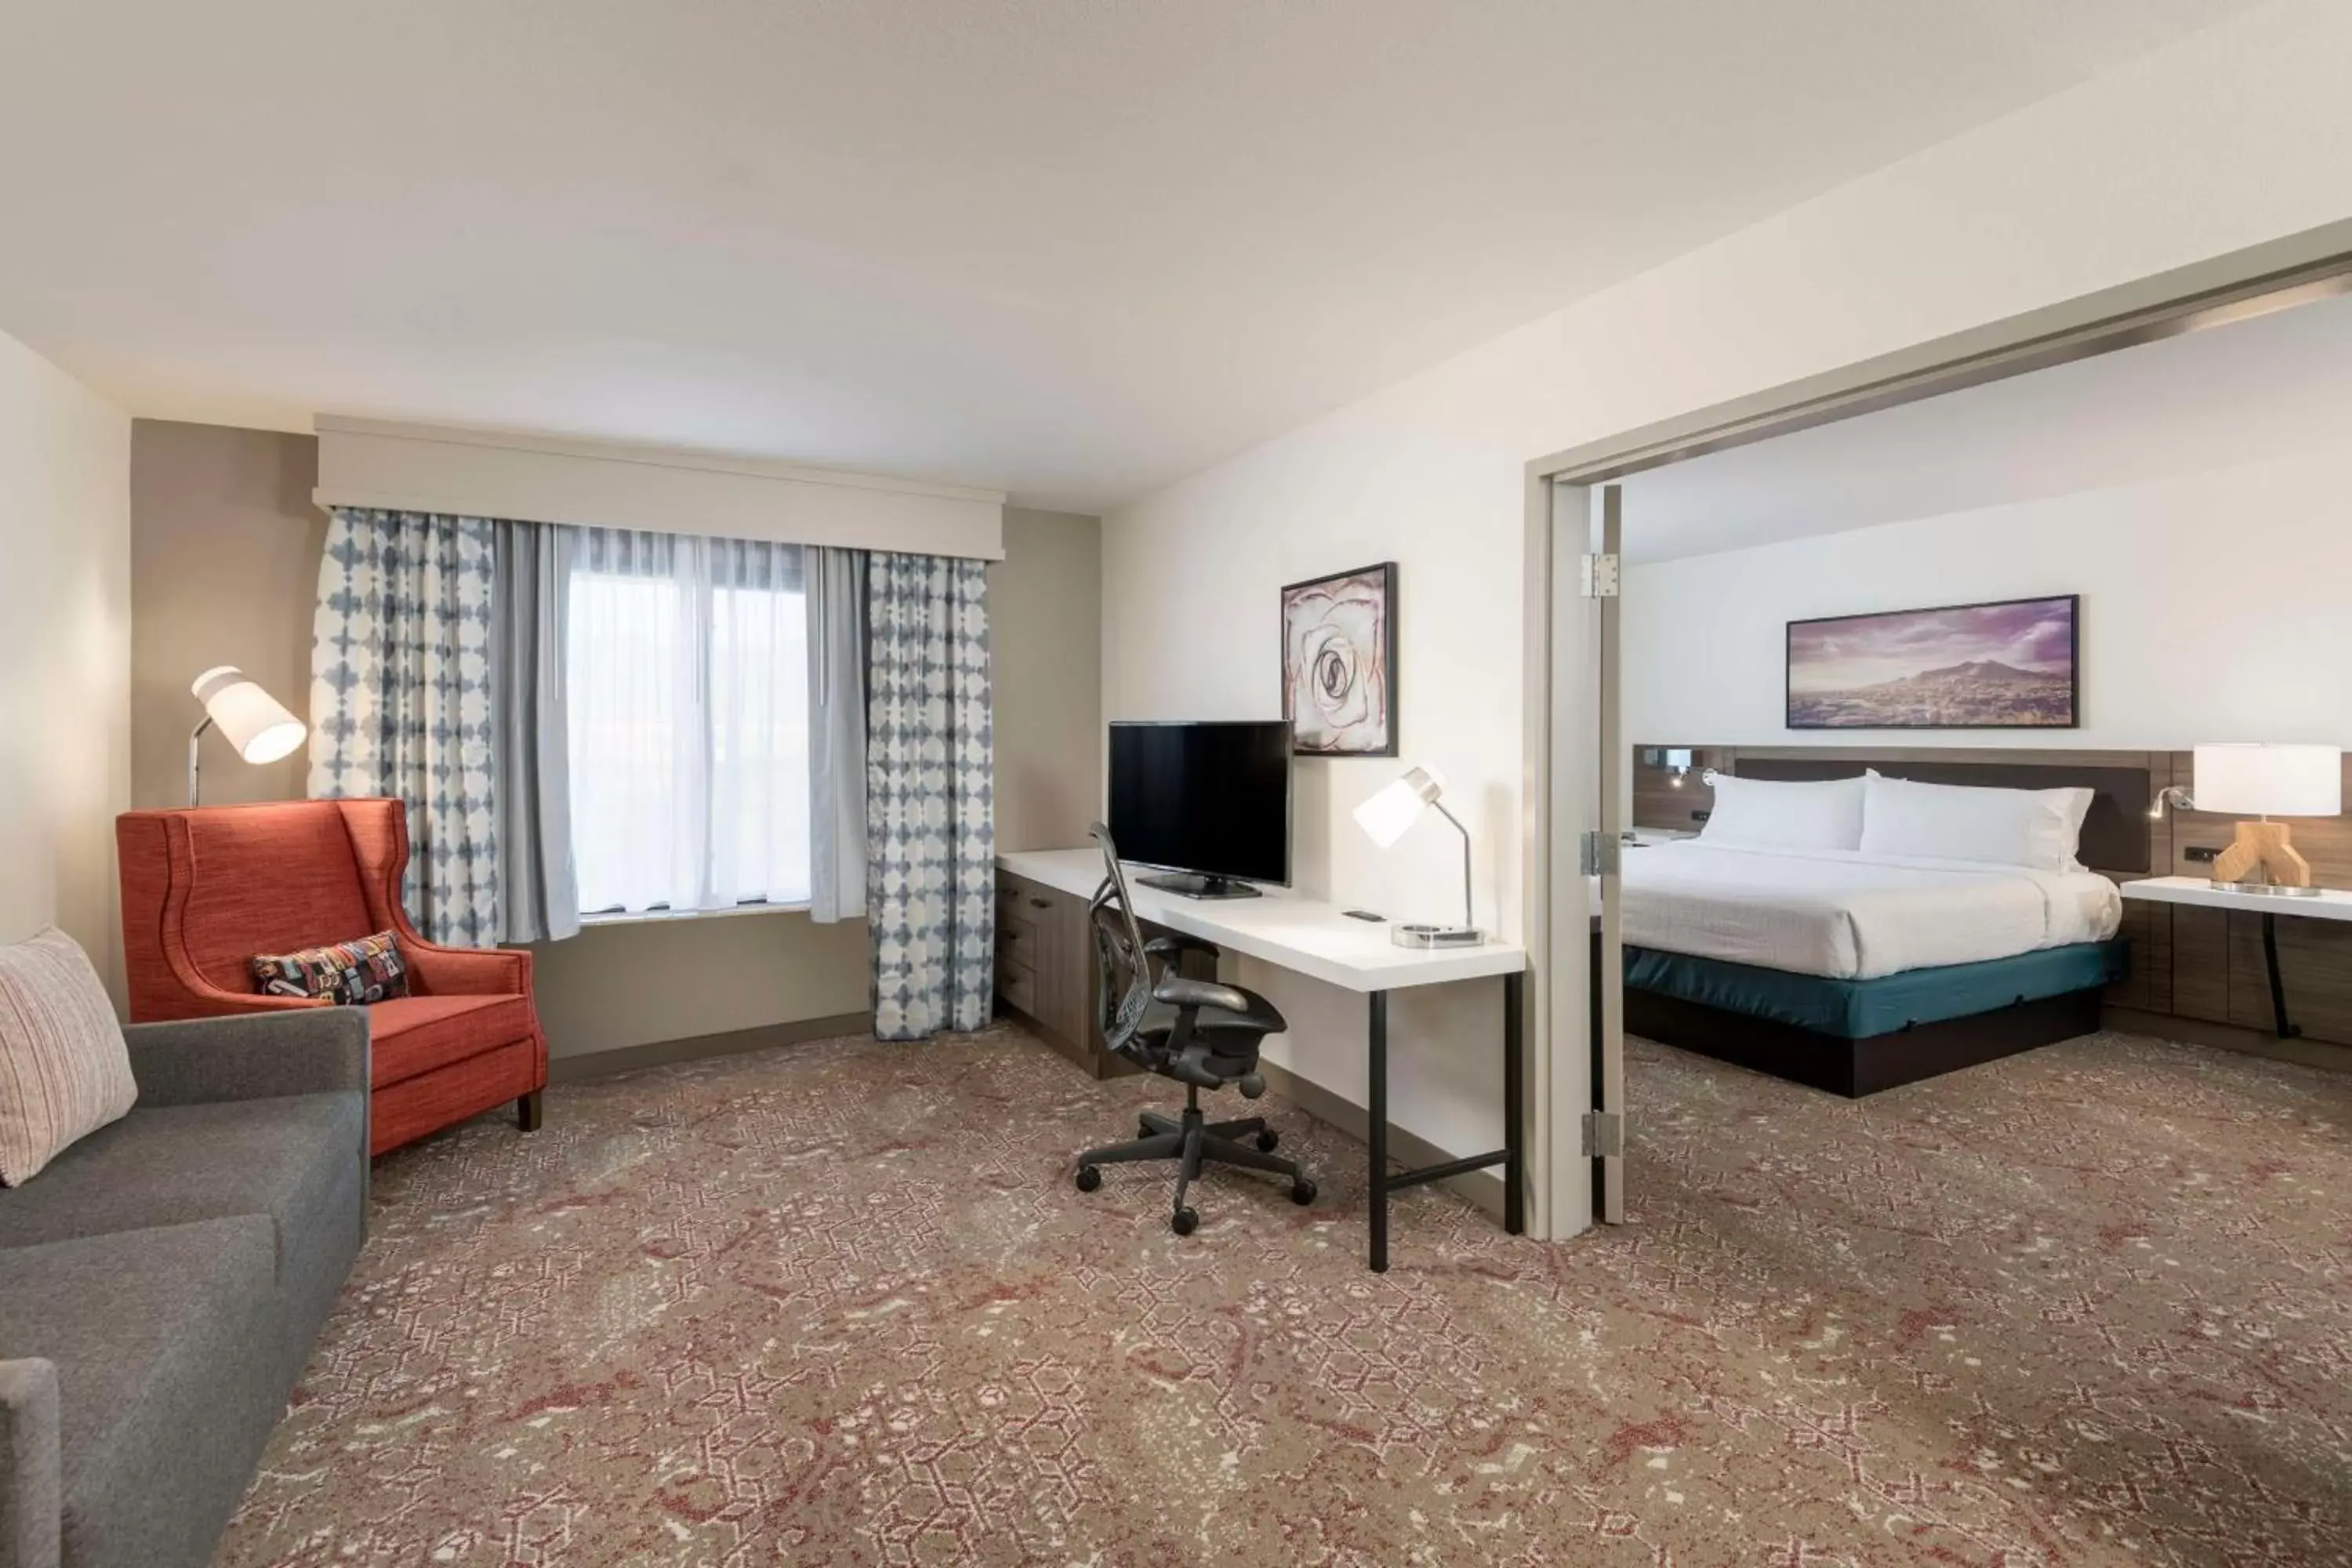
[2118, 837]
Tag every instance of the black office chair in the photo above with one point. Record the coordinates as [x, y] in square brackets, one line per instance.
[1202, 1034]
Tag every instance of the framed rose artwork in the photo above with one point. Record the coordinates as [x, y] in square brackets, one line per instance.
[1338, 663]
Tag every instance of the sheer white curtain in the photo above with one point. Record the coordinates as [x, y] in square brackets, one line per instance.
[687, 681]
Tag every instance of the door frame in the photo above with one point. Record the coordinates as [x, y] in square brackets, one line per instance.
[1571, 702]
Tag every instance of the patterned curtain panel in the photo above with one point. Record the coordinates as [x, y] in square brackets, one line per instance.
[400, 701]
[931, 808]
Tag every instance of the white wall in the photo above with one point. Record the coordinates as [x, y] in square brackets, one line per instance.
[64, 654]
[2135, 171]
[2173, 651]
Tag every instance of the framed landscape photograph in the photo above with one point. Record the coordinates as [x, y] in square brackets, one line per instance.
[1338, 663]
[2009, 665]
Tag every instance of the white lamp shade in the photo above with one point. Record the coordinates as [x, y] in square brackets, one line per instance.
[254, 722]
[1397, 806]
[2270, 781]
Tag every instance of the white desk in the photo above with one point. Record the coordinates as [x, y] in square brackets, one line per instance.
[2328, 904]
[1316, 938]
[1303, 934]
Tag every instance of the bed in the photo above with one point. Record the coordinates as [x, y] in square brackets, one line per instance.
[1855, 970]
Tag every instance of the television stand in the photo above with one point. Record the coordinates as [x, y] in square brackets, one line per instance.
[1196, 885]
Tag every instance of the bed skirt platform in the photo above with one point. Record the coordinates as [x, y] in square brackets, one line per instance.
[1857, 1037]
[1854, 1068]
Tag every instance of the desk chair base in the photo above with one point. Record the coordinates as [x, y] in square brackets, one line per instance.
[1195, 1141]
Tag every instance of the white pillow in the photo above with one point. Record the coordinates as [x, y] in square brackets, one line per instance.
[2035, 827]
[1772, 814]
[64, 1070]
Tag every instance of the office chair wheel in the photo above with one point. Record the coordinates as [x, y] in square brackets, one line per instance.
[1185, 1221]
[1268, 1140]
[1302, 1192]
[1089, 1178]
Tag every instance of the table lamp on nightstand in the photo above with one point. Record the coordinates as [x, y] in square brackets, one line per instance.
[2263, 782]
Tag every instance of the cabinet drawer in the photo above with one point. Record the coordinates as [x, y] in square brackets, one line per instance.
[1027, 901]
[1017, 987]
[1016, 938]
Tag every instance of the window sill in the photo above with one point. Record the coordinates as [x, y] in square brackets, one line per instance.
[658, 917]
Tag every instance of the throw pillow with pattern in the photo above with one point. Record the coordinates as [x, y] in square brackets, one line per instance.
[64, 1070]
[350, 973]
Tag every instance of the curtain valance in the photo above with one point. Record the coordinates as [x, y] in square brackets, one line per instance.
[378, 464]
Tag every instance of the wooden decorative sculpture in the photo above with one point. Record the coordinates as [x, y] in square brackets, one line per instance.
[2265, 845]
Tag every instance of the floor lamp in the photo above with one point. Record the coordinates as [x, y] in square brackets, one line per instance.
[256, 723]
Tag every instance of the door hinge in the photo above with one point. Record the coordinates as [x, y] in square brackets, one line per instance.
[1605, 1132]
[1600, 854]
[1596, 576]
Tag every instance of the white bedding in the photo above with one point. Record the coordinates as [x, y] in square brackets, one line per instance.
[1852, 916]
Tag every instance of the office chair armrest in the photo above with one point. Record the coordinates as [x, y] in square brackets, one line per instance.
[1175, 943]
[1179, 991]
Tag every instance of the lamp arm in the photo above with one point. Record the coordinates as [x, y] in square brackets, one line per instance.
[195, 739]
[1467, 922]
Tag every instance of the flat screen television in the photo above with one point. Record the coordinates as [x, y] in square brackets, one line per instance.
[1208, 801]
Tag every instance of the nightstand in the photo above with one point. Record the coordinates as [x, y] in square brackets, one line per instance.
[2325, 904]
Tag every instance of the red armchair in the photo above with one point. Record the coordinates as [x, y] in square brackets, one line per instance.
[206, 888]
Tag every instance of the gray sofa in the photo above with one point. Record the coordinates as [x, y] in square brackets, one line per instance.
[162, 1281]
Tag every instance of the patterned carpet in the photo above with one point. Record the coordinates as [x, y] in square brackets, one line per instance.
[839, 1304]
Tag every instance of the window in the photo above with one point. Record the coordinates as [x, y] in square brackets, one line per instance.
[687, 679]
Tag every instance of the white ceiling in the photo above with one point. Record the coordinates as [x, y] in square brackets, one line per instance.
[2266, 387]
[1072, 249]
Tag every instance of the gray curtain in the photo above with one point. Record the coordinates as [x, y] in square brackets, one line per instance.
[400, 701]
[930, 889]
[836, 673]
[538, 893]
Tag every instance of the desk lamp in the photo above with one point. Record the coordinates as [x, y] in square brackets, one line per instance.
[1386, 816]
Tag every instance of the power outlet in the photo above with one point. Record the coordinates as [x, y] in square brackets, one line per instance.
[2203, 854]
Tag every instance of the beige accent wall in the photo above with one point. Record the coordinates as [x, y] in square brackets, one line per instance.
[1045, 614]
[65, 655]
[225, 545]
[646, 981]
[223, 568]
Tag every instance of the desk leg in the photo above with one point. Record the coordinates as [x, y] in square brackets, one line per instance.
[2285, 1030]
[1515, 1216]
[1376, 1128]
[1512, 1156]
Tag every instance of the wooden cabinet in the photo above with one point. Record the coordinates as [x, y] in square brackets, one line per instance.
[1047, 974]
[1046, 971]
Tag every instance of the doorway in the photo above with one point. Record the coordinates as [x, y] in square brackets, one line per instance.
[1583, 505]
